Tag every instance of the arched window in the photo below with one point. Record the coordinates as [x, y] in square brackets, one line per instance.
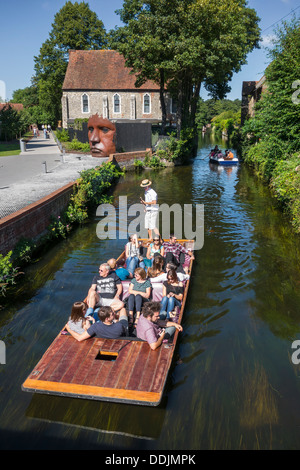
[117, 103]
[85, 103]
[147, 104]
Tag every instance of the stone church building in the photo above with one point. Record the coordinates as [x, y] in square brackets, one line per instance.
[97, 81]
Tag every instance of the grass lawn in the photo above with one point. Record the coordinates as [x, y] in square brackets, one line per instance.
[12, 148]
[9, 149]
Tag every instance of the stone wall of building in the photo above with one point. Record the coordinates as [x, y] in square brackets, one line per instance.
[102, 102]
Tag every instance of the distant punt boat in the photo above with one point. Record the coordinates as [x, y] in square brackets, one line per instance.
[219, 160]
[123, 370]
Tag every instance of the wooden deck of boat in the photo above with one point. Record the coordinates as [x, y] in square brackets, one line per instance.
[120, 370]
[137, 375]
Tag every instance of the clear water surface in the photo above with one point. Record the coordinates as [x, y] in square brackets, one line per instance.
[232, 385]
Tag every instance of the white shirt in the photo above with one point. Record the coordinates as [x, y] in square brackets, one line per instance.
[151, 195]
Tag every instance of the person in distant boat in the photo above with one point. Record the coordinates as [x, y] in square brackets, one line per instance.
[228, 155]
[106, 290]
[152, 328]
[107, 326]
[173, 250]
[214, 151]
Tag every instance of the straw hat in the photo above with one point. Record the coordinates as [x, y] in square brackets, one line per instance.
[145, 183]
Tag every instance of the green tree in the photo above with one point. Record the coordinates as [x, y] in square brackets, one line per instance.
[75, 26]
[182, 44]
[13, 123]
[276, 124]
[27, 96]
[207, 110]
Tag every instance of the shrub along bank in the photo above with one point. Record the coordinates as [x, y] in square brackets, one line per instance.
[91, 190]
[271, 139]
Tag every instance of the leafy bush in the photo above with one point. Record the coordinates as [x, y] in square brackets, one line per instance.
[23, 250]
[76, 145]
[63, 135]
[8, 272]
[89, 192]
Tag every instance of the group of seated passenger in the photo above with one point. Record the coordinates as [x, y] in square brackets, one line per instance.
[135, 258]
[217, 153]
[151, 327]
[104, 302]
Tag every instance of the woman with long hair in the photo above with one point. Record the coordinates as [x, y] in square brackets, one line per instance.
[139, 291]
[77, 321]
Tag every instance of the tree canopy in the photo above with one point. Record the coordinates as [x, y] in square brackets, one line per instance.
[182, 44]
[276, 124]
[75, 26]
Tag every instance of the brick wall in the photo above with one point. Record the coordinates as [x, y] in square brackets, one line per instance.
[32, 221]
[127, 159]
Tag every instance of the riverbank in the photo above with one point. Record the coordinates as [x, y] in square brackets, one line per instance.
[47, 224]
[282, 176]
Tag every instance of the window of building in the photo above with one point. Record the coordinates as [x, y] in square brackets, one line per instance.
[173, 106]
[85, 103]
[117, 103]
[147, 103]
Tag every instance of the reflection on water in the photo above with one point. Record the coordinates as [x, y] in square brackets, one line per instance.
[232, 385]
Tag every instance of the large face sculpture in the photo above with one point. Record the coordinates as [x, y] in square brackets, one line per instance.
[101, 134]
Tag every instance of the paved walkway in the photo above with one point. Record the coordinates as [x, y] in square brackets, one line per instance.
[26, 178]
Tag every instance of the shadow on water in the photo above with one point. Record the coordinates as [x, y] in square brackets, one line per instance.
[232, 385]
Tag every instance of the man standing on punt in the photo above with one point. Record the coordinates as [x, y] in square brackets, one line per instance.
[151, 208]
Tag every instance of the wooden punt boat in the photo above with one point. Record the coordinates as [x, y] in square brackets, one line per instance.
[123, 370]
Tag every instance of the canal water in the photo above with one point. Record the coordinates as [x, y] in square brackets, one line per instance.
[233, 383]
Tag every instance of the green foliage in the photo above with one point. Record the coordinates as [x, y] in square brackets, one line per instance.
[207, 110]
[76, 145]
[138, 164]
[227, 121]
[23, 250]
[264, 156]
[285, 183]
[13, 124]
[172, 148]
[59, 227]
[184, 43]
[28, 96]
[90, 191]
[75, 26]
[63, 135]
[8, 272]
[276, 124]
[271, 140]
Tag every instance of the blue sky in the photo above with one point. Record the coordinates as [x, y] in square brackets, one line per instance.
[25, 25]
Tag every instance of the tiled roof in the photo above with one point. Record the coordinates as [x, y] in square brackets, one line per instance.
[16, 106]
[100, 70]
